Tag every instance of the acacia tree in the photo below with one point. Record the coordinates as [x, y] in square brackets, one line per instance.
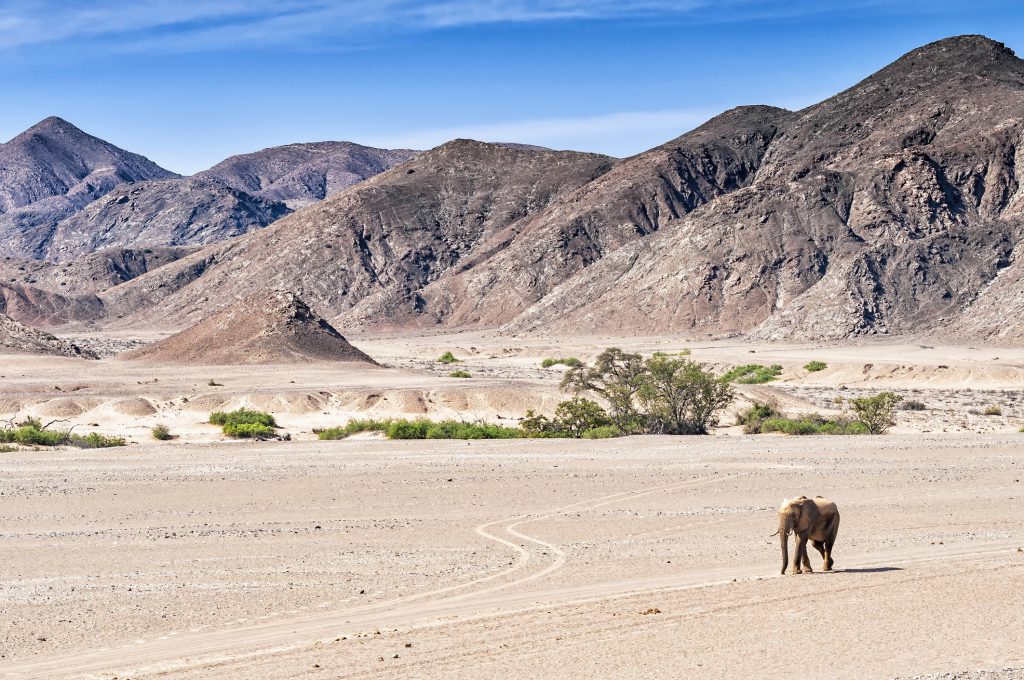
[662, 395]
[877, 412]
[617, 377]
[681, 397]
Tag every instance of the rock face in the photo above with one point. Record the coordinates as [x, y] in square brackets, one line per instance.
[265, 328]
[64, 193]
[300, 174]
[50, 171]
[889, 208]
[177, 212]
[373, 246]
[17, 338]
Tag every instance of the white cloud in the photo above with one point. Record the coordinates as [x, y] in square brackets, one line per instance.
[617, 134]
[183, 25]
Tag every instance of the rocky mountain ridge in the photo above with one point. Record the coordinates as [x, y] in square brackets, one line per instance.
[894, 207]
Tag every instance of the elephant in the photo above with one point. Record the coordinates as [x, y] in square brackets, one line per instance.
[816, 519]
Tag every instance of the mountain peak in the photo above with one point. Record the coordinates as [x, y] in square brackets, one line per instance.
[54, 124]
[964, 54]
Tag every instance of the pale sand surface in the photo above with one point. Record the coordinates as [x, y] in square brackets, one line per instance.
[206, 558]
[535, 557]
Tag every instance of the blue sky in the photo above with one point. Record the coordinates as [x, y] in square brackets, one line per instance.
[190, 82]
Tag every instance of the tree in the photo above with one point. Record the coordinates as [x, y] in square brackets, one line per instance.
[617, 377]
[577, 415]
[666, 394]
[877, 412]
[681, 397]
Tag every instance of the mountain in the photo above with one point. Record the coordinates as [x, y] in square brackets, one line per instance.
[894, 207]
[53, 169]
[300, 174]
[18, 338]
[270, 327]
[64, 193]
[175, 212]
[374, 245]
[890, 208]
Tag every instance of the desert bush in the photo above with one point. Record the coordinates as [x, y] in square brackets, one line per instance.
[912, 405]
[447, 358]
[606, 432]
[242, 416]
[460, 374]
[214, 383]
[7, 448]
[753, 374]
[666, 394]
[876, 413]
[422, 428]
[573, 419]
[31, 432]
[992, 410]
[565, 361]
[752, 418]
[815, 366]
[248, 430]
[161, 432]
[95, 440]
[812, 423]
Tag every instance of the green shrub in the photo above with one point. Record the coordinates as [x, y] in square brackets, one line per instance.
[95, 440]
[31, 432]
[753, 417]
[809, 424]
[605, 432]
[753, 374]
[573, 419]
[248, 430]
[815, 366]
[876, 412]
[161, 433]
[422, 428]
[566, 361]
[448, 358]
[992, 410]
[7, 448]
[460, 374]
[242, 416]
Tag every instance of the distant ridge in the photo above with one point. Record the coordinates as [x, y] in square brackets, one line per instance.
[265, 328]
[300, 174]
[21, 339]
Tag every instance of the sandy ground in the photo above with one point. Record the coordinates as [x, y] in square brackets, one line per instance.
[637, 557]
[510, 558]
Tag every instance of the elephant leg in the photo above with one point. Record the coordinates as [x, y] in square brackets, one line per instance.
[820, 547]
[829, 562]
[801, 554]
[806, 559]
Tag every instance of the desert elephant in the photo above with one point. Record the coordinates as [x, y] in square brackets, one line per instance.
[816, 519]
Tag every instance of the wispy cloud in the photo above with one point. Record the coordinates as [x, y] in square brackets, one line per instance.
[199, 25]
[617, 134]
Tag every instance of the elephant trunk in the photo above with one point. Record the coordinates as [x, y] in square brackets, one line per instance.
[785, 526]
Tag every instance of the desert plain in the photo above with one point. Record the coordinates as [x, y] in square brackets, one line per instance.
[645, 556]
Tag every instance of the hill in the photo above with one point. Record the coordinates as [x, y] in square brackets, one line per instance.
[50, 171]
[300, 174]
[21, 339]
[265, 328]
